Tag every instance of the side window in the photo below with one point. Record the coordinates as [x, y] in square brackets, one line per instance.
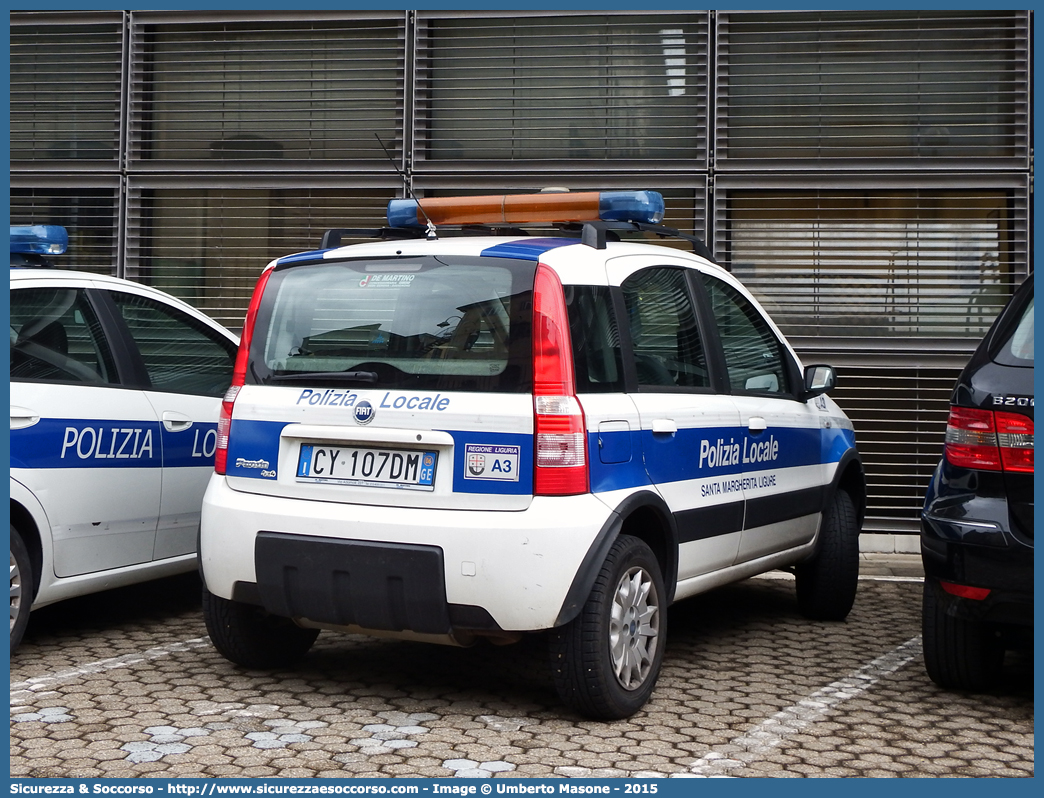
[55, 337]
[754, 355]
[596, 340]
[667, 346]
[181, 354]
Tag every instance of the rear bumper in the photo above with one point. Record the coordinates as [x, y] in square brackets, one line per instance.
[506, 571]
[968, 541]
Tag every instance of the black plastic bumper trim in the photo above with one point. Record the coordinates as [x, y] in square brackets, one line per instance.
[381, 586]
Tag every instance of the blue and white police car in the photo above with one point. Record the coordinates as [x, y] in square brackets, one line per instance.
[446, 438]
[115, 395]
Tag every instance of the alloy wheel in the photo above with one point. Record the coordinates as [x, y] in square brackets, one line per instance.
[634, 628]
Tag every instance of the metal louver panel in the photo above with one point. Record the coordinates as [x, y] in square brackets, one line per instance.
[940, 87]
[879, 267]
[89, 213]
[900, 421]
[567, 86]
[310, 89]
[208, 245]
[66, 78]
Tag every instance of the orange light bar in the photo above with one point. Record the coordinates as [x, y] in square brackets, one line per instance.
[584, 206]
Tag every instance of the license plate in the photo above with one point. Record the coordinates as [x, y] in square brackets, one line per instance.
[367, 467]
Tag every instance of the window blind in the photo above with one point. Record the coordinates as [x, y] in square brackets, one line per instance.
[66, 77]
[564, 86]
[881, 85]
[237, 92]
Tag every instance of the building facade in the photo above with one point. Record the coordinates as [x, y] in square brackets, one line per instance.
[867, 174]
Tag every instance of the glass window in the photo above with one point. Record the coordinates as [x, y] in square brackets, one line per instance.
[666, 341]
[307, 89]
[567, 86]
[55, 337]
[873, 84]
[65, 89]
[877, 264]
[409, 323]
[595, 338]
[1017, 350]
[181, 354]
[753, 354]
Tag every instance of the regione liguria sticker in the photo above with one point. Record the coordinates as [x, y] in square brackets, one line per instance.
[491, 461]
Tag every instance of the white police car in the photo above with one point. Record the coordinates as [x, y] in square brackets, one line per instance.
[448, 438]
[115, 393]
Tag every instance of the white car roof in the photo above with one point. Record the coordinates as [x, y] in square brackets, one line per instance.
[547, 249]
[91, 280]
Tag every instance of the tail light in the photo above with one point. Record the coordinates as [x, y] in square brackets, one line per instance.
[238, 376]
[989, 440]
[560, 460]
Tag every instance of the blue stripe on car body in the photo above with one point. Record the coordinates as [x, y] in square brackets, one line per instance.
[256, 441]
[302, 257]
[527, 248]
[111, 443]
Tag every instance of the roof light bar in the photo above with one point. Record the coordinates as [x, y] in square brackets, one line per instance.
[39, 239]
[646, 207]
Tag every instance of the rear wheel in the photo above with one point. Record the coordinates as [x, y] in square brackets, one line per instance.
[959, 653]
[606, 661]
[21, 587]
[826, 584]
[251, 637]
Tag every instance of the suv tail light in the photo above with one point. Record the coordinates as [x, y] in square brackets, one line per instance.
[560, 457]
[989, 440]
[224, 427]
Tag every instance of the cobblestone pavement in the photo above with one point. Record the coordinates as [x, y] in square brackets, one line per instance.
[126, 684]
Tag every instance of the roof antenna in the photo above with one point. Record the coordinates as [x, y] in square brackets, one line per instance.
[431, 232]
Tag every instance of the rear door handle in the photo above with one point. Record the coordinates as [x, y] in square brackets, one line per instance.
[22, 417]
[664, 426]
[175, 422]
[756, 425]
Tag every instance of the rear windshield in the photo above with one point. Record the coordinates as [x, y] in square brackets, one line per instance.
[1017, 349]
[408, 323]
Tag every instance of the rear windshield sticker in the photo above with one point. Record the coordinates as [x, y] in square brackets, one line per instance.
[386, 280]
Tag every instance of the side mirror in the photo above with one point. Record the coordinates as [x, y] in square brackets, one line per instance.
[819, 379]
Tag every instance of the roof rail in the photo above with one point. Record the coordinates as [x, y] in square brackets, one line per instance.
[332, 238]
[593, 234]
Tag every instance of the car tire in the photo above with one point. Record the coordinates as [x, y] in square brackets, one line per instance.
[249, 636]
[21, 587]
[606, 661]
[959, 654]
[826, 584]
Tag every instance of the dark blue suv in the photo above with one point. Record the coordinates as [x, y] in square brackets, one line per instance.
[977, 522]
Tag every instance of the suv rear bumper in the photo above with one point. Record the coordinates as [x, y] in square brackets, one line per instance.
[969, 543]
[509, 571]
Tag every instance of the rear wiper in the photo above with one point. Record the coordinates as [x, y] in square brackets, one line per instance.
[350, 376]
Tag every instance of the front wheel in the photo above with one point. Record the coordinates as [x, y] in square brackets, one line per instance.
[251, 637]
[606, 661]
[826, 584]
[959, 653]
[21, 587]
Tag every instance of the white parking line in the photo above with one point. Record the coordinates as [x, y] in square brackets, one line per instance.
[771, 733]
[23, 690]
[789, 577]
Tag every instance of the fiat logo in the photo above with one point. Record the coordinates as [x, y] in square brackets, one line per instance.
[363, 412]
